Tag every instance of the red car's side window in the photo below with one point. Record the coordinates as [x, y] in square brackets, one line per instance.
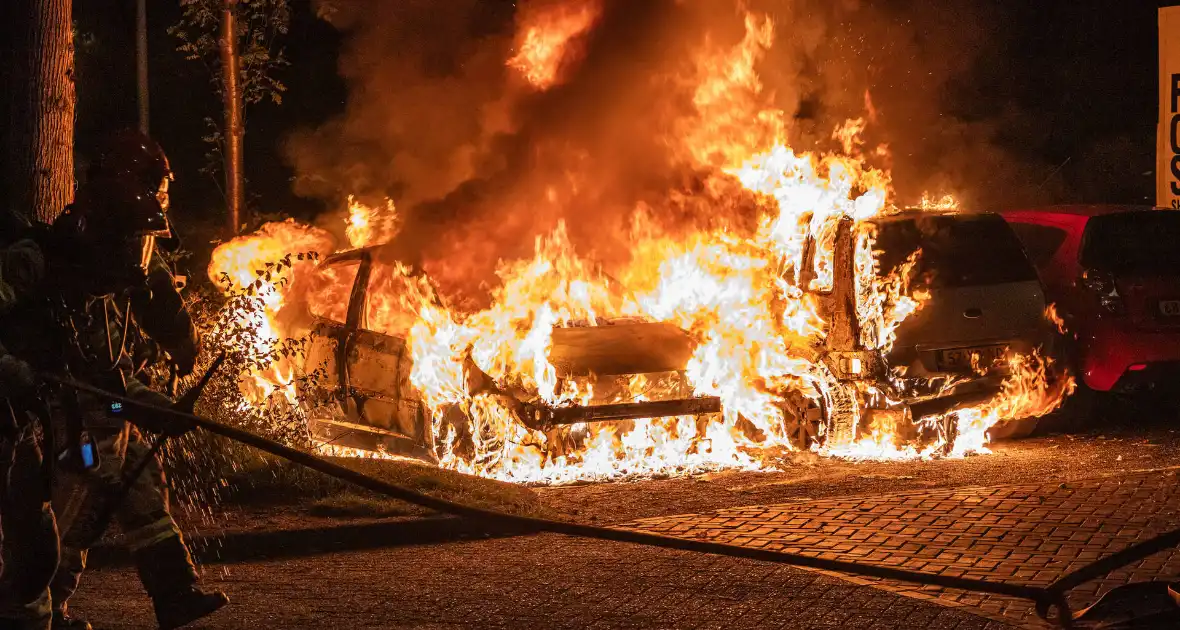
[1041, 242]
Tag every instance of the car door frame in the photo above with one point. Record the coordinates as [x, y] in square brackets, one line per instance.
[346, 334]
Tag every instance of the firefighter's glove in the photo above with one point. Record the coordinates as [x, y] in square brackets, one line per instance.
[184, 357]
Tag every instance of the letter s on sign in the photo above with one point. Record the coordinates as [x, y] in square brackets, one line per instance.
[1174, 137]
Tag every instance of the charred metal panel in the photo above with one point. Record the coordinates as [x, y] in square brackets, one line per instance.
[620, 349]
[844, 328]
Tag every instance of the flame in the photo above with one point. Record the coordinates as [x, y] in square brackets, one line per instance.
[367, 225]
[754, 302]
[544, 46]
[731, 126]
[945, 203]
[1028, 392]
[250, 266]
[1053, 316]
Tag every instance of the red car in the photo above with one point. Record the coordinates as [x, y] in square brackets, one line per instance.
[1113, 273]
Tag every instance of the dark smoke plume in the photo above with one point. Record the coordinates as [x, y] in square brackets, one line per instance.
[479, 163]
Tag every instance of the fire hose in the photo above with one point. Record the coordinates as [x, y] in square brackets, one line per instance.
[1048, 600]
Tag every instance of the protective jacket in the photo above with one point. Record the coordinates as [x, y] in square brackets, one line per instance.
[28, 533]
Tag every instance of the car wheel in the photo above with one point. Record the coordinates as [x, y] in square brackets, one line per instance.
[802, 418]
[1014, 429]
[1079, 412]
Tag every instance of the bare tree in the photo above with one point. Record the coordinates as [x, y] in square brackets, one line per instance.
[232, 102]
[237, 41]
[37, 127]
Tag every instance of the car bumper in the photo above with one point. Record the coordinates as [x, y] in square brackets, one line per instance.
[967, 394]
[1117, 358]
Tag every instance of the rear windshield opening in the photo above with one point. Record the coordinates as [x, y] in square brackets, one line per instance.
[957, 250]
[1133, 242]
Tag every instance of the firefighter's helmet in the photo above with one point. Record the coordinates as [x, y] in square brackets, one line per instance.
[133, 154]
[114, 223]
[119, 207]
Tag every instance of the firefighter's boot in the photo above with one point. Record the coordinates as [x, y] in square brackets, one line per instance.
[64, 584]
[62, 620]
[167, 573]
[184, 607]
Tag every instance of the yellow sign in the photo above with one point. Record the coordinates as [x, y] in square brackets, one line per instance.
[1167, 168]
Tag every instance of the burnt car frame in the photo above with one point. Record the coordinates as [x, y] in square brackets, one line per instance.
[368, 372]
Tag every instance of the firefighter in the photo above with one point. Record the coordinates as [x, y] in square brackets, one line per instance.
[130, 179]
[156, 543]
[28, 532]
[103, 301]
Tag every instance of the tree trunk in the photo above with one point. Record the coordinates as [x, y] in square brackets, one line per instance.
[38, 137]
[234, 192]
[141, 65]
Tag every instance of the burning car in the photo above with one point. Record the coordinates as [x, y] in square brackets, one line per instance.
[986, 305]
[751, 316]
[983, 305]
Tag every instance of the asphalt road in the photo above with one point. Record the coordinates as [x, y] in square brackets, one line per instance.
[555, 582]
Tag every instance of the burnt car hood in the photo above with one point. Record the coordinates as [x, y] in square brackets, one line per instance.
[617, 349]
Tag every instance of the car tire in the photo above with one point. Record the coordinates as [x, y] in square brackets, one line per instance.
[1014, 429]
[1080, 412]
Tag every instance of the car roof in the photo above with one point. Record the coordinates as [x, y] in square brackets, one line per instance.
[909, 214]
[1080, 210]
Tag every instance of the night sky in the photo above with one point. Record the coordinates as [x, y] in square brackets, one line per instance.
[1085, 71]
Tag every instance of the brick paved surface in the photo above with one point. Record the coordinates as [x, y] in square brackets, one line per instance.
[543, 581]
[1028, 534]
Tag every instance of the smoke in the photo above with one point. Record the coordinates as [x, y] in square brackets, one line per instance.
[425, 83]
[479, 162]
[916, 69]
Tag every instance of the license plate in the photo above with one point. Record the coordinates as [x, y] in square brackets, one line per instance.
[965, 358]
[1170, 308]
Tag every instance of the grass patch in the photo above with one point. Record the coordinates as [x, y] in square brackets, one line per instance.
[347, 500]
[353, 505]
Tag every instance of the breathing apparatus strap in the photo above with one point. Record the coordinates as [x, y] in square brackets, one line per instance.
[48, 450]
[73, 418]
